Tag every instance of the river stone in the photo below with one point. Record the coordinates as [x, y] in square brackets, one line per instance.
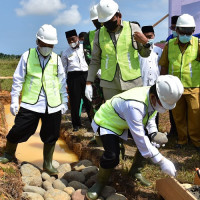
[90, 171]
[51, 179]
[29, 170]
[30, 175]
[90, 182]
[107, 191]
[32, 196]
[33, 181]
[45, 176]
[60, 184]
[74, 176]
[55, 164]
[77, 185]
[116, 197]
[47, 185]
[62, 169]
[56, 194]
[34, 189]
[79, 194]
[82, 165]
[69, 190]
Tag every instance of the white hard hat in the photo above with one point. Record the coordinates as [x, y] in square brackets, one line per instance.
[47, 34]
[185, 20]
[169, 89]
[93, 12]
[106, 10]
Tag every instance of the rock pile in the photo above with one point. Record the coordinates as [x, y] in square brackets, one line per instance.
[71, 183]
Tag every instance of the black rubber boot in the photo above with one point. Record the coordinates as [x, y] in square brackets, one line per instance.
[102, 179]
[48, 156]
[135, 170]
[9, 154]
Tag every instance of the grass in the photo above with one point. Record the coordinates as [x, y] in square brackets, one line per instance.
[7, 68]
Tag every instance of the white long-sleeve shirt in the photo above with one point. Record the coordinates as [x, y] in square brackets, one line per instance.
[134, 112]
[19, 78]
[74, 59]
[150, 70]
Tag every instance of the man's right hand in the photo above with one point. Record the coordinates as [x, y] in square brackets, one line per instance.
[14, 108]
[89, 91]
[167, 167]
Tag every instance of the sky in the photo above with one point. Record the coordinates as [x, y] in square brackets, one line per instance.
[21, 19]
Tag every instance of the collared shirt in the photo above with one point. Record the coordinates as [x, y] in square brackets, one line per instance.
[74, 59]
[95, 64]
[164, 62]
[19, 79]
[134, 112]
[150, 69]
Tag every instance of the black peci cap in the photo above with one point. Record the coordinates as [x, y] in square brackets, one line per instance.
[70, 33]
[147, 29]
[174, 19]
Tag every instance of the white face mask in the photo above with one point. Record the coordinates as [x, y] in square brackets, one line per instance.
[45, 51]
[74, 44]
[159, 108]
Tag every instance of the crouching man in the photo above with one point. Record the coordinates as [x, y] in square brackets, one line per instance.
[135, 110]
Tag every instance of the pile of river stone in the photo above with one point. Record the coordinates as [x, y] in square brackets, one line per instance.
[71, 183]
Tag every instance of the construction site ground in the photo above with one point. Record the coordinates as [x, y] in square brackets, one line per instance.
[185, 160]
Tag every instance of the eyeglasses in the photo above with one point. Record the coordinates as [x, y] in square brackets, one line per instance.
[185, 30]
[172, 28]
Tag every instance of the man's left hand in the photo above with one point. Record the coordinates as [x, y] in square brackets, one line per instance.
[158, 139]
[140, 37]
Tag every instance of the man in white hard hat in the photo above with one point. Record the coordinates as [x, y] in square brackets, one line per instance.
[89, 39]
[88, 48]
[181, 58]
[115, 51]
[41, 78]
[134, 110]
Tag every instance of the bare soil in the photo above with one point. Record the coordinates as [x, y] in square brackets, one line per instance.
[186, 160]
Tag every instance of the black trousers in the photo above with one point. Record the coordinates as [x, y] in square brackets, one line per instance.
[26, 123]
[76, 82]
[110, 157]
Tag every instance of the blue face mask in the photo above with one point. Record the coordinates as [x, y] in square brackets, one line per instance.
[184, 38]
[80, 41]
[174, 33]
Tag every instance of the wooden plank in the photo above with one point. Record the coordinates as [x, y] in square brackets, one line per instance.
[170, 189]
[6, 77]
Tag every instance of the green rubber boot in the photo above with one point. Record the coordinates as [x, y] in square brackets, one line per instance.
[102, 179]
[135, 171]
[9, 154]
[48, 156]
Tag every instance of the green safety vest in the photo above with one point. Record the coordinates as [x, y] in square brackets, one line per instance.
[91, 38]
[107, 118]
[185, 66]
[36, 78]
[124, 54]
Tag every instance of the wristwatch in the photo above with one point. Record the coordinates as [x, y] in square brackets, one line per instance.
[147, 45]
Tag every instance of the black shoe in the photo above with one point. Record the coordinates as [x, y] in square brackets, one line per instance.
[197, 149]
[75, 128]
[180, 146]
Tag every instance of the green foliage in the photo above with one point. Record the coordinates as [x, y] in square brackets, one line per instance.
[7, 68]
[9, 57]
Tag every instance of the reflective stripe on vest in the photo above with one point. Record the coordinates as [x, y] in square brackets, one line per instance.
[124, 54]
[185, 66]
[91, 38]
[107, 118]
[36, 78]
